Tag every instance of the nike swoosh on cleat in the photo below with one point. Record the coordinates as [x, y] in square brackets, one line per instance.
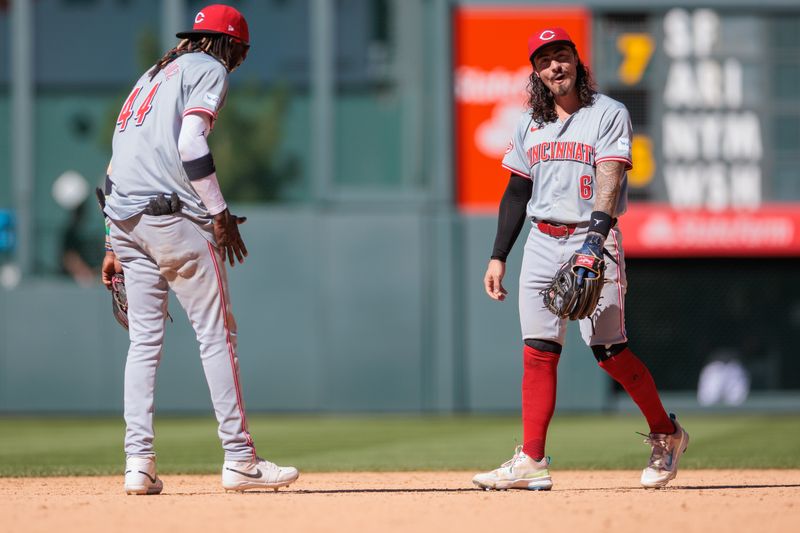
[257, 475]
[152, 479]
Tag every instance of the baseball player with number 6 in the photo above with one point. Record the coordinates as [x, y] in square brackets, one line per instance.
[168, 227]
[568, 160]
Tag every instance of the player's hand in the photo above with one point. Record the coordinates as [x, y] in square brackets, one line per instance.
[493, 280]
[111, 266]
[226, 233]
[593, 245]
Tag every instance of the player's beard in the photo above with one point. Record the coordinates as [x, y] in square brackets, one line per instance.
[563, 88]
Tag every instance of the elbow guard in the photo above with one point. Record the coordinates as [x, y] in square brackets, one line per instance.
[193, 147]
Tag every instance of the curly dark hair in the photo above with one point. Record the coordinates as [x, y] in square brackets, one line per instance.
[540, 99]
[227, 50]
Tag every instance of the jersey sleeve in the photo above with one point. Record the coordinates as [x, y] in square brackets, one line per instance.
[614, 141]
[206, 86]
[515, 160]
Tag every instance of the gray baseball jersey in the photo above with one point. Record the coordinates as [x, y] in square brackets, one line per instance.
[146, 159]
[560, 158]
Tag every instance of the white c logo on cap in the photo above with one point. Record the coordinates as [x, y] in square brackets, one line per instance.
[200, 17]
[547, 35]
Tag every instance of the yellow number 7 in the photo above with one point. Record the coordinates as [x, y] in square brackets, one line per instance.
[636, 50]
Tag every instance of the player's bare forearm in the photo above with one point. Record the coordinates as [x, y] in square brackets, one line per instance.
[608, 177]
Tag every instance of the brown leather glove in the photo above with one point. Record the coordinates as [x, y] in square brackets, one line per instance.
[119, 299]
[226, 233]
[573, 294]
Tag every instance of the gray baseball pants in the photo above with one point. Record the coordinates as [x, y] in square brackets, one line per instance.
[159, 253]
[543, 257]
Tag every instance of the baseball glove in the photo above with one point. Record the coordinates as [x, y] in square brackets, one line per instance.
[119, 299]
[576, 287]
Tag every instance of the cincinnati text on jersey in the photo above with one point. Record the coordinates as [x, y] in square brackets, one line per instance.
[560, 151]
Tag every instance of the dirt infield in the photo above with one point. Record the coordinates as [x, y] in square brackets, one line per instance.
[699, 500]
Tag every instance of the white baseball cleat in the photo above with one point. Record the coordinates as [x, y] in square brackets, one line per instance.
[140, 475]
[257, 474]
[667, 451]
[519, 472]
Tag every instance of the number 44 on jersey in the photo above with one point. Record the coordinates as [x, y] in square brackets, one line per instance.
[141, 112]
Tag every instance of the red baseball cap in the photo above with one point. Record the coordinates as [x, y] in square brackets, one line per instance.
[546, 36]
[218, 18]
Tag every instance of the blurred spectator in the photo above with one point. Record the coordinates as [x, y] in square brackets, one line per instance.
[723, 380]
[81, 255]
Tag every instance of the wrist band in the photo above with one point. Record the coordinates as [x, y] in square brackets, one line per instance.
[107, 222]
[600, 223]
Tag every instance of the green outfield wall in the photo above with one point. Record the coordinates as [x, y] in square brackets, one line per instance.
[337, 311]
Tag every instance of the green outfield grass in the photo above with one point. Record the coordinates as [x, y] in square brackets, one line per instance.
[89, 446]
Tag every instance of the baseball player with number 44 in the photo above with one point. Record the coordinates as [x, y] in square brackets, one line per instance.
[568, 160]
[169, 227]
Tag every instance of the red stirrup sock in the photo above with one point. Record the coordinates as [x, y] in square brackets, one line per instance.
[637, 381]
[538, 398]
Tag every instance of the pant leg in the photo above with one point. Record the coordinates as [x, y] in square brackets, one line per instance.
[606, 325]
[147, 294]
[543, 256]
[196, 273]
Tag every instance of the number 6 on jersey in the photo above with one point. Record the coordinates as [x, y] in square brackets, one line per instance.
[586, 187]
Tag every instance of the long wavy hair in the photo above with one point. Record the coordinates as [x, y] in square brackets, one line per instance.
[227, 50]
[541, 101]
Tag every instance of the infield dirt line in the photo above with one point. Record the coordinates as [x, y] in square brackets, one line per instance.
[698, 500]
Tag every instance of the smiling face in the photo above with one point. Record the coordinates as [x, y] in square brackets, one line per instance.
[556, 65]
